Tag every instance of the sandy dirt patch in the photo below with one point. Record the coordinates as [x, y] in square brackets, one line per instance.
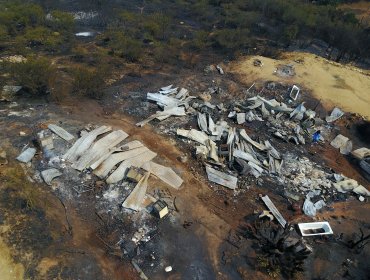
[360, 9]
[333, 83]
[8, 269]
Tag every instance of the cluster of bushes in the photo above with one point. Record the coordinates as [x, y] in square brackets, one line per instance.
[237, 24]
[232, 26]
[39, 77]
[134, 34]
[26, 26]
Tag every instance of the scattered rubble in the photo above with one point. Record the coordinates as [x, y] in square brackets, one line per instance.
[342, 143]
[61, 132]
[27, 155]
[233, 153]
[49, 174]
[335, 115]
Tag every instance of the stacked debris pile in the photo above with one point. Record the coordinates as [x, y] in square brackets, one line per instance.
[100, 157]
[231, 151]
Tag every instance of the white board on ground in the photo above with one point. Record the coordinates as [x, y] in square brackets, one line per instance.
[27, 155]
[100, 148]
[61, 132]
[136, 197]
[166, 174]
[221, 178]
[124, 148]
[84, 142]
[107, 165]
[137, 161]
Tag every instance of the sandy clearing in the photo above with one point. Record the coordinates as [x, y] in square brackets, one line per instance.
[333, 83]
[9, 270]
[360, 9]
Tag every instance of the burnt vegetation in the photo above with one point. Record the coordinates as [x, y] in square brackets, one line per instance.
[278, 253]
[178, 32]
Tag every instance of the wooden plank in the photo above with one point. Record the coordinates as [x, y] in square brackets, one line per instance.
[164, 173]
[61, 132]
[274, 210]
[137, 161]
[104, 168]
[221, 178]
[84, 142]
[99, 149]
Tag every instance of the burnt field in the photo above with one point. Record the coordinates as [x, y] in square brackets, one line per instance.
[210, 232]
[177, 140]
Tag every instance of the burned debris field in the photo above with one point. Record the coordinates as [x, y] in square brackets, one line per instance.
[184, 140]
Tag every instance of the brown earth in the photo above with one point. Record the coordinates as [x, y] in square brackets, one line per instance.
[214, 212]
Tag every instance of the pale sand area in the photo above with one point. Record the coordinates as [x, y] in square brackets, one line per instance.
[8, 269]
[336, 85]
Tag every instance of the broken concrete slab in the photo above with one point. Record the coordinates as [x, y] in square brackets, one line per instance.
[351, 185]
[45, 140]
[361, 153]
[335, 114]
[49, 174]
[342, 143]
[136, 197]
[137, 161]
[339, 141]
[106, 166]
[99, 149]
[84, 143]
[240, 118]
[221, 178]
[27, 155]
[61, 132]
[346, 148]
[166, 174]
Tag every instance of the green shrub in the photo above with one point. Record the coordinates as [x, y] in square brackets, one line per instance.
[123, 45]
[62, 22]
[35, 75]
[89, 83]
